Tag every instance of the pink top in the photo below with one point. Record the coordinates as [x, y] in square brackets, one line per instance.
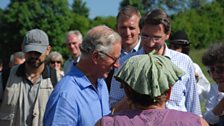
[152, 117]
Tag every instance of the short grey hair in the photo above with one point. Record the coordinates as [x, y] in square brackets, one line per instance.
[99, 38]
[75, 32]
[55, 55]
[19, 55]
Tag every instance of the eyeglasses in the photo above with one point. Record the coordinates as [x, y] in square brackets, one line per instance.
[216, 69]
[154, 38]
[113, 58]
[53, 62]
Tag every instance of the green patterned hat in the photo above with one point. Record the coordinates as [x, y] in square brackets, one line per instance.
[149, 74]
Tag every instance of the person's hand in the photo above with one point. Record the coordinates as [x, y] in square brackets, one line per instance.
[218, 109]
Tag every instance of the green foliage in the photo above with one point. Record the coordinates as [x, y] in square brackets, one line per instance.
[109, 21]
[79, 7]
[202, 25]
[196, 55]
[51, 16]
[141, 6]
[170, 6]
[58, 15]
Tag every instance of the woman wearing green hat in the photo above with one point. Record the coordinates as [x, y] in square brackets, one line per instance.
[147, 81]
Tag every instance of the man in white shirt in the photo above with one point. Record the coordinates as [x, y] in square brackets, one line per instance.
[179, 42]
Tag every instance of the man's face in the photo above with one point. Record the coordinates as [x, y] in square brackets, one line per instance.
[176, 47]
[18, 60]
[73, 45]
[153, 37]
[128, 28]
[35, 59]
[108, 61]
[217, 73]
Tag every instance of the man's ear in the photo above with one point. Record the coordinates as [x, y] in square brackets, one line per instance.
[95, 57]
[48, 50]
[167, 35]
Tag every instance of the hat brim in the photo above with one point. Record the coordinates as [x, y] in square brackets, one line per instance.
[36, 48]
[179, 42]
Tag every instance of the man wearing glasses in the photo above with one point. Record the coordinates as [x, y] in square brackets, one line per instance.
[155, 31]
[81, 97]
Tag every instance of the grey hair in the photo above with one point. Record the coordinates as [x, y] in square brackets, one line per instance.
[99, 38]
[54, 55]
[75, 32]
[19, 55]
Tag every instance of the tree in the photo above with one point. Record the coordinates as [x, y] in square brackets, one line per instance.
[80, 16]
[54, 17]
[201, 24]
[142, 6]
[170, 6]
[109, 21]
[79, 7]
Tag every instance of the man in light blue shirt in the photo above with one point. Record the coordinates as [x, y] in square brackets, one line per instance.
[155, 30]
[81, 97]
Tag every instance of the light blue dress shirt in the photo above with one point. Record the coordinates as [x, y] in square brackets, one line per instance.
[135, 49]
[75, 102]
[69, 63]
[184, 95]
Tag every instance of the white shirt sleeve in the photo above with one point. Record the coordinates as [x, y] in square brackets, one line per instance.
[203, 84]
[214, 96]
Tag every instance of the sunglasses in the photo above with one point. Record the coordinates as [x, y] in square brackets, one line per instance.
[53, 62]
[151, 38]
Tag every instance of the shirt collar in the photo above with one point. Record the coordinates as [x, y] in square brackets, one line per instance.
[82, 80]
[167, 52]
[135, 49]
[71, 59]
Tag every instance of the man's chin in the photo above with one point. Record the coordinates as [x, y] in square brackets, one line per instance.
[34, 65]
[148, 50]
[105, 75]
